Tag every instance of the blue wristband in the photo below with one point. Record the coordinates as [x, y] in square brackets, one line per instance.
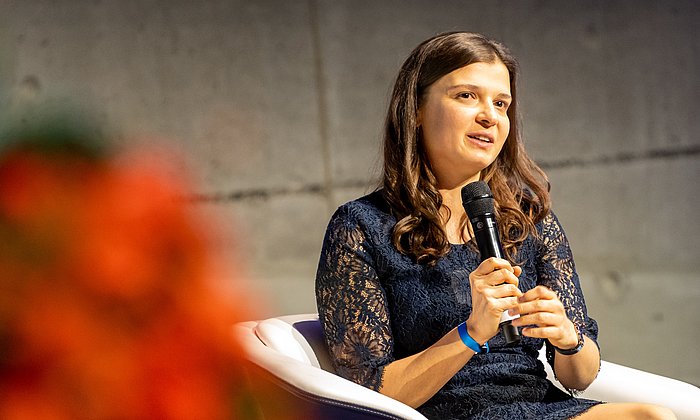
[469, 341]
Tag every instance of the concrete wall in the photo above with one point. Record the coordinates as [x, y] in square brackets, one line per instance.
[279, 106]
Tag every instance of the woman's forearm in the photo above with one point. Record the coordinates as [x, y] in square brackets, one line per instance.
[415, 379]
[578, 371]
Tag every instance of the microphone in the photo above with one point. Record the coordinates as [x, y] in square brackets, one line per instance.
[478, 203]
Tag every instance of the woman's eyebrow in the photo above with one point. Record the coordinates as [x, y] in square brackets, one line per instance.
[469, 86]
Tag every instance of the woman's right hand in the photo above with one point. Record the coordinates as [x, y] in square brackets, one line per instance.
[494, 286]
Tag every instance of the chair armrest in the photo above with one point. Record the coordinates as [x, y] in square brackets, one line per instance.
[309, 382]
[617, 383]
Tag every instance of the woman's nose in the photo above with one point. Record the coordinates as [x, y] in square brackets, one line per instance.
[487, 116]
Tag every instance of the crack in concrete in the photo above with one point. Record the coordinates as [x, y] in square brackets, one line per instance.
[325, 189]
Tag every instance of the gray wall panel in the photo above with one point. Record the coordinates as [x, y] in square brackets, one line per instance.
[277, 107]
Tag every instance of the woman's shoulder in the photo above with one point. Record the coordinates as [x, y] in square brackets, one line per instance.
[550, 229]
[549, 221]
[370, 206]
[369, 214]
[365, 219]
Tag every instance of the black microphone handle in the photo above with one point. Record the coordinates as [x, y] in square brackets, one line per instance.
[486, 235]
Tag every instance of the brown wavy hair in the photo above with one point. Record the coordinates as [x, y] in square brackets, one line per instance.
[519, 186]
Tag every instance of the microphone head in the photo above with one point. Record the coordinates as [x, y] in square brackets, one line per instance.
[477, 199]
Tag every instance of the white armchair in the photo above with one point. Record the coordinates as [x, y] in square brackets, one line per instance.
[292, 350]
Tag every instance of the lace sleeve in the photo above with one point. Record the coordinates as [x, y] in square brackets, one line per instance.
[352, 304]
[556, 270]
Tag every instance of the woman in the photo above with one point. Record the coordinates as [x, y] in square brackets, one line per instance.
[406, 305]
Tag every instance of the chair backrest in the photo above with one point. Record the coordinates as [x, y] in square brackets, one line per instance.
[312, 332]
[298, 336]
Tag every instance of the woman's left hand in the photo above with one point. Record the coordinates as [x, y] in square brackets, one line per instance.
[543, 316]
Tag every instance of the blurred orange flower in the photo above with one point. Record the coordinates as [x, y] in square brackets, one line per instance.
[108, 307]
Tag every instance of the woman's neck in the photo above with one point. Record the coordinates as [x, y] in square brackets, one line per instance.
[457, 232]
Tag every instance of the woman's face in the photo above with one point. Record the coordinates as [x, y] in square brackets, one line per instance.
[464, 121]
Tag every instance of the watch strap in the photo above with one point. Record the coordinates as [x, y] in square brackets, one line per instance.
[579, 345]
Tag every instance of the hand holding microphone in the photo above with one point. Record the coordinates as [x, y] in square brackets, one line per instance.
[479, 205]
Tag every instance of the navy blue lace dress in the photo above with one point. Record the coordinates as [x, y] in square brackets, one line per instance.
[377, 306]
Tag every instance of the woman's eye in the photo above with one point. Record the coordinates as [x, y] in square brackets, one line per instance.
[466, 95]
[501, 104]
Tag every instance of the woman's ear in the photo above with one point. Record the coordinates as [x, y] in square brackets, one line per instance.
[419, 117]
